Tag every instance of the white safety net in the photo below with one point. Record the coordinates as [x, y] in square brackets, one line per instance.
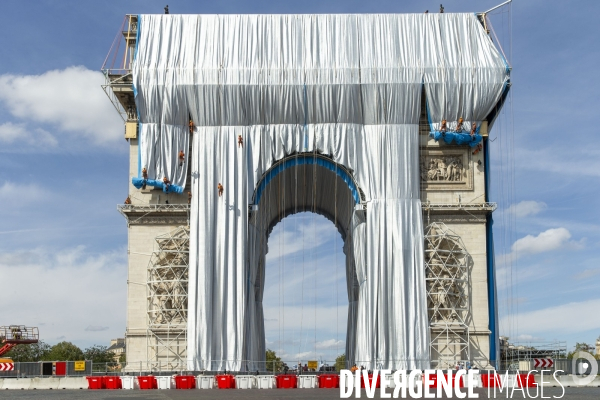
[346, 86]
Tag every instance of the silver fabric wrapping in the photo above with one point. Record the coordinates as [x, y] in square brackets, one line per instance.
[348, 86]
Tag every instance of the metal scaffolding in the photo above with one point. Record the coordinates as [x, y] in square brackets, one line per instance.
[167, 294]
[515, 356]
[447, 279]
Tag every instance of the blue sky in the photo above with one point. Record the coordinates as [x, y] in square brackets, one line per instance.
[63, 169]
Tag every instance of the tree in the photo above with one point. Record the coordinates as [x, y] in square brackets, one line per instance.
[99, 354]
[581, 347]
[64, 351]
[273, 361]
[29, 352]
[122, 358]
[340, 362]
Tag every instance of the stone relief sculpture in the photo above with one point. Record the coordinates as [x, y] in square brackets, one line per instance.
[442, 168]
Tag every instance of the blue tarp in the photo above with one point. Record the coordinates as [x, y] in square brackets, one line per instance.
[139, 183]
[457, 138]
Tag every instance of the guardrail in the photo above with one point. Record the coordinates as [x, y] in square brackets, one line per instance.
[89, 368]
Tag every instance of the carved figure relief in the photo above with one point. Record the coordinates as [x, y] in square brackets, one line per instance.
[442, 169]
[446, 169]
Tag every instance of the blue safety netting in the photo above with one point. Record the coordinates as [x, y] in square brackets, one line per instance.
[139, 183]
[457, 138]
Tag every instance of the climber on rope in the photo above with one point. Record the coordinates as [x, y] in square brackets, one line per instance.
[127, 200]
[191, 126]
[478, 148]
[459, 125]
[240, 141]
[220, 189]
[189, 197]
[443, 128]
[166, 183]
[181, 157]
[473, 129]
[144, 177]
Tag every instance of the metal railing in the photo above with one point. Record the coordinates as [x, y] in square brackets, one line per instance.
[48, 368]
[18, 333]
[564, 365]
[236, 367]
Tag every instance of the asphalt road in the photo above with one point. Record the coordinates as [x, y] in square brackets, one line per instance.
[255, 394]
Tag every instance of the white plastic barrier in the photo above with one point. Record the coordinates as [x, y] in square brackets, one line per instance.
[128, 382]
[390, 381]
[567, 381]
[205, 382]
[44, 383]
[265, 381]
[307, 381]
[73, 382]
[245, 382]
[16, 383]
[163, 382]
[1, 382]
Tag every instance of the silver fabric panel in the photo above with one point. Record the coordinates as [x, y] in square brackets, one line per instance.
[347, 86]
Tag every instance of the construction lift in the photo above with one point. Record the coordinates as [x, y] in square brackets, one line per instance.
[12, 335]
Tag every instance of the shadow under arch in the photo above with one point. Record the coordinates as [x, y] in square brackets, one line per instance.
[305, 182]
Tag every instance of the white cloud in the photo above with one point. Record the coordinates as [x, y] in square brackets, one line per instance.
[71, 99]
[66, 292]
[549, 240]
[566, 318]
[18, 133]
[560, 160]
[18, 194]
[331, 344]
[529, 338]
[588, 273]
[298, 234]
[526, 208]
[96, 328]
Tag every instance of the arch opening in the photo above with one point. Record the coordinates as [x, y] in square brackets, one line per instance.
[303, 184]
[305, 294]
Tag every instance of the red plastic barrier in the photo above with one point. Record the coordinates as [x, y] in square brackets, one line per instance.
[433, 378]
[286, 381]
[362, 381]
[225, 381]
[112, 382]
[60, 368]
[95, 382]
[490, 380]
[147, 382]
[526, 381]
[329, 381]
[185, 382]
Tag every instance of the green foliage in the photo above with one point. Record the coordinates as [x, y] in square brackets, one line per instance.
[273, 361]
[99, 354]
[340, 362]
[582, 347]
[29, 352]
[64, 351]
[122, 358]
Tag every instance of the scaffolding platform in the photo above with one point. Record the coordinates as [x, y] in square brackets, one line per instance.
[12, 335]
